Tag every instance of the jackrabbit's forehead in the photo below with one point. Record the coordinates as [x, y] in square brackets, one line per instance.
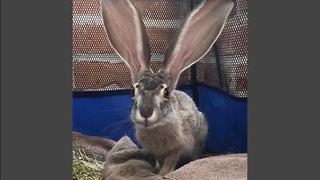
[151, 82]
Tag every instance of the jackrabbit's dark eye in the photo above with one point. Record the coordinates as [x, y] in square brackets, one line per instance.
[137, 85]
[166, 93]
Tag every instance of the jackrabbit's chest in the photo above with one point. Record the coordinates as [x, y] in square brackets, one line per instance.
[162, 140]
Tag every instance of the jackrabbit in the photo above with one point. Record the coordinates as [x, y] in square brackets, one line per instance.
[166, 120]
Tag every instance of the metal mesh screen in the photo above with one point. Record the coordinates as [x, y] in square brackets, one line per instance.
[96, 66]
[226, 66]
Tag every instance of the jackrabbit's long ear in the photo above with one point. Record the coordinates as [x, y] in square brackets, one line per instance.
[196, 36]
[126, 33]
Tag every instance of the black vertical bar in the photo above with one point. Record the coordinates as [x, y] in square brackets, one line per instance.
[217, 55]
[194, 81]
[195, 92]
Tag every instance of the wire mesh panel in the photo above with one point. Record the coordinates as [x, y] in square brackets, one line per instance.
[97, 67]
[95, 64]
[226, 66]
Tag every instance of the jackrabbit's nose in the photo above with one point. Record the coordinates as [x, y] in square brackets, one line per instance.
[146, 112]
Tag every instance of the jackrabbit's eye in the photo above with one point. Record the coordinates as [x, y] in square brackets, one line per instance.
[136, 86]
[164, 91]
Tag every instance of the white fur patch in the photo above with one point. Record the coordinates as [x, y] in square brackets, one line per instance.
[138, 117]
[157, 99]
[139, 100]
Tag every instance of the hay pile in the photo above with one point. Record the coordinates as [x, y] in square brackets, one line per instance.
[85, 166]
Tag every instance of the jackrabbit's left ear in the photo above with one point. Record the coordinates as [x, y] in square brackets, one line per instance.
[196, 36]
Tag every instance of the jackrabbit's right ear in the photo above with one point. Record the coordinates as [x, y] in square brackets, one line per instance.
[196, 36]
[126, 33]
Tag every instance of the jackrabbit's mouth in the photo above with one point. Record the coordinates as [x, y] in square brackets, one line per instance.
[145, 124]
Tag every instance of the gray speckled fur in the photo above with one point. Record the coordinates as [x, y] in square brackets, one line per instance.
[183, 128]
